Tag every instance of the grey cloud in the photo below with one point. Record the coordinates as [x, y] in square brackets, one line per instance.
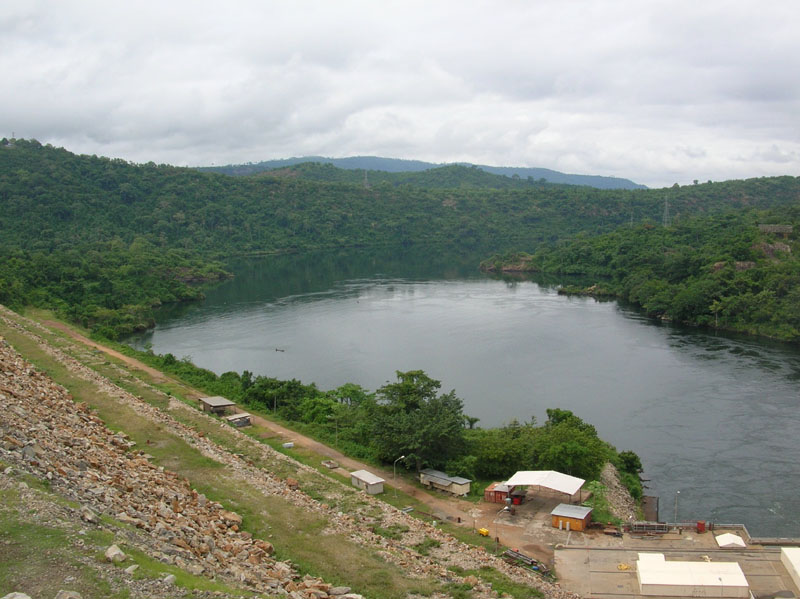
[657, 91]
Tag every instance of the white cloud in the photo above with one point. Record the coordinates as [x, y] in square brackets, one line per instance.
[658, 91]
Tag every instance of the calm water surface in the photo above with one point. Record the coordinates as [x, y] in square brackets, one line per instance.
[713, 416]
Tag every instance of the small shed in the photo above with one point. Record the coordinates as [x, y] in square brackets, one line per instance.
[216, 404]
[571, 517]
[500, 492]
[239, 420]
[496, 493]
[439, 480]
[366, 481]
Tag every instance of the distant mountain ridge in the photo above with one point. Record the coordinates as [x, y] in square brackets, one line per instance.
[398, 165]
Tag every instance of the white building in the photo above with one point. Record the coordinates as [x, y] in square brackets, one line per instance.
[690, 579]
[790, 557]
[366, 481]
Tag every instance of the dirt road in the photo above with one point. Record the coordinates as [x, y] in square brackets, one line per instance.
[156, 375]
[514, 531]
[442, 507]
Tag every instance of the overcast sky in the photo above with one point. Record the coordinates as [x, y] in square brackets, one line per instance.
[655, 91]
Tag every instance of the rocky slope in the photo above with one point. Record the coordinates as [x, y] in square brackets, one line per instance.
[45, 433]
[619, 498]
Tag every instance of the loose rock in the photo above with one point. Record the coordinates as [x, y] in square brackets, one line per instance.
[115, 554]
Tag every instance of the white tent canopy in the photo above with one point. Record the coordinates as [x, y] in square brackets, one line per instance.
[550, 479]
[730, 540]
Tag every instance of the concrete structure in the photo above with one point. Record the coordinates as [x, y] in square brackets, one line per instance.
[439, 480]
[366, 481]
[239, 420]
[216, 404]
[790, 558]
[571, 517]
[689, 579]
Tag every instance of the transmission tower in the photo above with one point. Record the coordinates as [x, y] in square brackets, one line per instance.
[665, 220]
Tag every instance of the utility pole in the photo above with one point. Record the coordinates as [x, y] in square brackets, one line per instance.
[394, 467]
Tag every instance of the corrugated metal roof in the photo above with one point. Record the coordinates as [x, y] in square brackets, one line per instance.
[565, 510]
[367, 477]
[442, 478]
[500, 487]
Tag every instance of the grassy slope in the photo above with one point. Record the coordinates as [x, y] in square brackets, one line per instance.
[337, 559]
[292, 530]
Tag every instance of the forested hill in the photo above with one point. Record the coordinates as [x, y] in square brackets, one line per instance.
[53, 199]
[443, 177]
[102, 239]
[720, 271]
[383, 168]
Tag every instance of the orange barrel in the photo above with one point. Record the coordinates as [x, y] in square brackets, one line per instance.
[701, 526]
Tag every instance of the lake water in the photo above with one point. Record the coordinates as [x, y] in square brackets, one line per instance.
[713, 416]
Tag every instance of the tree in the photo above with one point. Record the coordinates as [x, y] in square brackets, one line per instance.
[412, 420]
[471, 421]
[569, 445]
[630, 462]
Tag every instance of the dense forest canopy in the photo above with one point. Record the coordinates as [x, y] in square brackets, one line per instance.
[103, 240]
[54, 200]
[721, 271]
[384, 168]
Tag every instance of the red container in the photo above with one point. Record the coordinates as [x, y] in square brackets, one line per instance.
[701, 526]
[516, 500]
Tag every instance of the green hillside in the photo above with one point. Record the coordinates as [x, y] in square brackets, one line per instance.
[104, 240]
[377, 164]
[719, 271]
[443, 177]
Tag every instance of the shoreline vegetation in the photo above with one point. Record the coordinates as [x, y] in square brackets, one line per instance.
[410, 417]
[719, 272]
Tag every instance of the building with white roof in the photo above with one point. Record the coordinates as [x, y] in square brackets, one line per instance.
[790, 558]
[550, 479]
[367, 481]
[663, 578]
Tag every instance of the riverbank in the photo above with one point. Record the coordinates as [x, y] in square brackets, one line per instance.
[440, 506]
[278, 500]
[246, 470]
